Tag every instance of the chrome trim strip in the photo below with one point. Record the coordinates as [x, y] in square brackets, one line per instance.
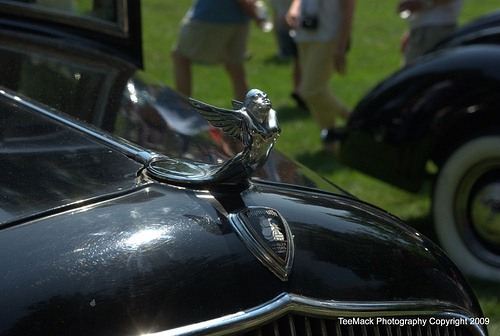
[285, 303]
[129, 149]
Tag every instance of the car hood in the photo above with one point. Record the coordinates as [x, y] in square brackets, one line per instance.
[159, 257]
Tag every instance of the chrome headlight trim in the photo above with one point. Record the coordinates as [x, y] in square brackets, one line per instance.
[285, 303]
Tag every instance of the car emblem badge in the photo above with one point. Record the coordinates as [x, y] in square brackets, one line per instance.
[267, 235]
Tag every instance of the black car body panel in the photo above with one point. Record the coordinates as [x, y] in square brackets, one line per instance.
[46, 166]
[93, 244]
[153, 264]
[419, 113]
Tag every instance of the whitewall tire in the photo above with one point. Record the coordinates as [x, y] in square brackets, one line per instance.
[466, 207]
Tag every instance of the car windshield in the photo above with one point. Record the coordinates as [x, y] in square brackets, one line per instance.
[112, 95]
[156, 117]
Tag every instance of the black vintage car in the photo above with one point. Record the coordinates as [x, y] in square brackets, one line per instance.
[484, 30]
[438, 120]
[124, 212]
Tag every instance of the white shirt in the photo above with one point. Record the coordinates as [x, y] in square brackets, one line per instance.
[329, 14]
[440, 15]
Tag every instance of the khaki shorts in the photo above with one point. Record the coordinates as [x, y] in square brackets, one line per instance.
[210, 43]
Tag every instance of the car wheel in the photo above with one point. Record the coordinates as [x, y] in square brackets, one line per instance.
[466, 207]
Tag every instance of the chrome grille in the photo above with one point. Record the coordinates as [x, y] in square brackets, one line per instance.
[293, 315]
[296, 325]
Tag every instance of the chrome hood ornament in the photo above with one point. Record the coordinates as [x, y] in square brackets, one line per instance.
[253, 122]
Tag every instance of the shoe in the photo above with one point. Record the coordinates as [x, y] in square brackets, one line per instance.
[300, 102]
[331, 138]
[336, 134]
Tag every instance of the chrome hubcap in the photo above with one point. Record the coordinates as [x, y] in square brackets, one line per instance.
[477, 210]
[485, 213]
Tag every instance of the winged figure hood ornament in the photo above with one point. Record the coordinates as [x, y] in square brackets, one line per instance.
[253, 122]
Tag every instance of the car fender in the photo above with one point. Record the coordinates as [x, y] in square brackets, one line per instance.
[483, 30]
[403, 121]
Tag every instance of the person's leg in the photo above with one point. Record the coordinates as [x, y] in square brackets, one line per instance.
[296, 75]
[316, 60]
[234, 59]
[182, 73]
[238, 78]
[296, 85]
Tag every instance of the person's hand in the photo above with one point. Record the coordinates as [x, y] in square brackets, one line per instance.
[340, 62]
[292, 16]
[248, 7]
[411, 5]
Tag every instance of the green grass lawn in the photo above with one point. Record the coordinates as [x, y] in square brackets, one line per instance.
[373, 56]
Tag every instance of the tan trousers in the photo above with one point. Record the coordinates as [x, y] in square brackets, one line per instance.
[316, 65]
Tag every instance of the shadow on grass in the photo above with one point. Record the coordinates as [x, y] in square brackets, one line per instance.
[289, 113]
[486, 288]
[317, 162]
[279, 60]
